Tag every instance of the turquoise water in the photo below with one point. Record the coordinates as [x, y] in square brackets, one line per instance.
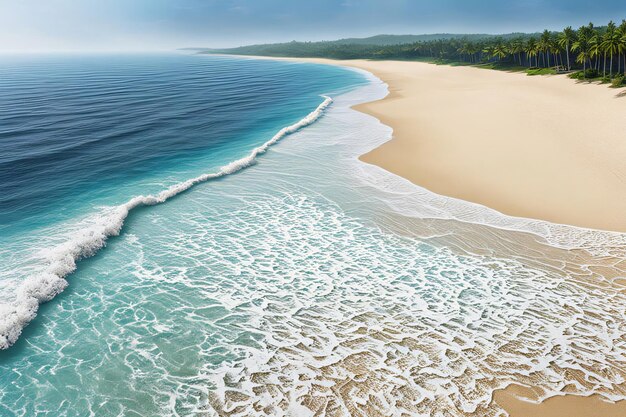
[272, 288]
[82, 132]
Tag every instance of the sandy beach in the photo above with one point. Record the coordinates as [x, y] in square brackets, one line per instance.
[539, 147]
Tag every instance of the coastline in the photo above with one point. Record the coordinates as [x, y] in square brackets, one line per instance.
[316, 186]
[536, 147]
[411, 107]
[439, 156]
[422, 140]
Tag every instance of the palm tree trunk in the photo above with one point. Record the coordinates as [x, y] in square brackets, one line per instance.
[604, 70]
[611, 67]
[567, 52]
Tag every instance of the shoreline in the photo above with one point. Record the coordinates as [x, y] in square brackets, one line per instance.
[531, 147]
[499, 139]
[515, 399]
[340, 295]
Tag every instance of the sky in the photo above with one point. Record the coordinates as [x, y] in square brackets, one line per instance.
[93, 25]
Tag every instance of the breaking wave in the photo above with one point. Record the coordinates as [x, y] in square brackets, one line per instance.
[86, 242]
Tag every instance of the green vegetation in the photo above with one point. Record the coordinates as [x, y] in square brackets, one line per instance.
[383, 40]
[540, 71]
[589, 53]
[619, 81]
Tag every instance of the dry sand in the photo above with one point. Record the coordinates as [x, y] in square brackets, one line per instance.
[539, 147]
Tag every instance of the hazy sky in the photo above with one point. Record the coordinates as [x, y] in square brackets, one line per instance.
[166, 24]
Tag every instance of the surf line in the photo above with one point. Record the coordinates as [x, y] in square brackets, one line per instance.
[61, 260]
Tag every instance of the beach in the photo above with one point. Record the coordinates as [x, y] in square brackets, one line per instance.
[540, 147]
[268, 268]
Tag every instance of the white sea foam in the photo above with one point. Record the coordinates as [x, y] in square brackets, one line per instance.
[86, 242]
[355, 321]
[404, 197]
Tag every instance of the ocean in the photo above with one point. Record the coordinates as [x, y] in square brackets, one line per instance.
[203, 240]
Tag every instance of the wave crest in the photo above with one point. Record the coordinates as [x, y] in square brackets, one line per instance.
[61, 260]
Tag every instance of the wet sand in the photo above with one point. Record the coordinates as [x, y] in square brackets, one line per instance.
[537, 147]
[521, 401]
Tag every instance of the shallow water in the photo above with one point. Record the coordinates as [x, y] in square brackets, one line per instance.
[298, 285]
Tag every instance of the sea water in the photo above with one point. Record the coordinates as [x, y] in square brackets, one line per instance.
[238, 259]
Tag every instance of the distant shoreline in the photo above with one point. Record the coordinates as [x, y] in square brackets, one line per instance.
[588, 53]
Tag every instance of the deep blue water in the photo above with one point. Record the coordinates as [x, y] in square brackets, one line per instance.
[78, 130]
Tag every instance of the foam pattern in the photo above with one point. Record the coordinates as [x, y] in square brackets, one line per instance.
[357, 322]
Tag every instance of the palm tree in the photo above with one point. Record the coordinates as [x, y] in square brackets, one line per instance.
[531, 50]
[582, 58]
[583, 47]
[624, 49]
[595, 50]
[555, 50]
[474, 50]
[610, 45]
[545, 42]
[516, 47]
[500, 50]
[622, 45]
[490, 51]
[463, 50]
[594, 45]
[565, 40]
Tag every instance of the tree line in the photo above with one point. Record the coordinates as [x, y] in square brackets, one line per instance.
[588, 52]
[597, 50]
